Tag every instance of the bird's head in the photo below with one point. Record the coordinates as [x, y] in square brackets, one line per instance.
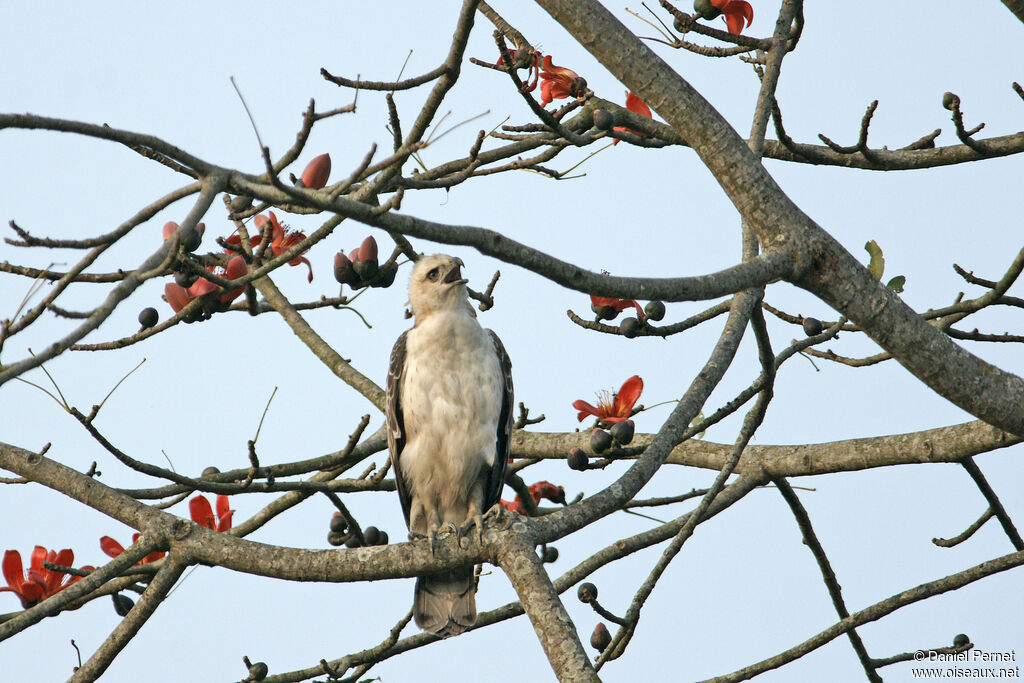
[437, 284]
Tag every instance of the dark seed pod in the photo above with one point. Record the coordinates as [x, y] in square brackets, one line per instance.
[122, 604]
[705, 9]
[655, 310]
[386, 276]
[949, 100]
[577, 459]
[365, 269]
[961, 640]
[578, 87]
[258, 671]
[336, 538]
[550, 554]
[600, 441]
[185, 278]
[600, 638]
[148, 317]
[812, 326]
[343, 271]
[209, 472]
[383, 540]
[629, 327]
[587, 592]
[352, 541]
[622, 432]
[338, 522]
[603, 119]
[372, 535]
[604, 312]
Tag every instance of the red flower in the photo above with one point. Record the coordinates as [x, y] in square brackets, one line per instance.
[637, 106]
[112, 548]
[39, 583]
[736, 13]
[317, 172]
[558, 82]
[201, 512]
[534, 66]
[178, 297]
[618, 304]
[282, 240]
[541, 489]
[612, 408]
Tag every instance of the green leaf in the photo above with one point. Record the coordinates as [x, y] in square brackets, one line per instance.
[698, 420]
[877, 265]
[896, 284]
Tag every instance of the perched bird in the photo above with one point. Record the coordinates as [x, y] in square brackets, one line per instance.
[449, 415]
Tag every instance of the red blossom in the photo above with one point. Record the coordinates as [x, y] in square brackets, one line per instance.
[738, 13]
[612, 408]
[558, 82]
[541, 489]
[112, 548]
[533, 64]
[201, 512]
[38, 583]
[637, 106]
[282, 239]
[178, 297]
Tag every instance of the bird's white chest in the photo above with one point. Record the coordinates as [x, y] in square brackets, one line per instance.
[451, 396]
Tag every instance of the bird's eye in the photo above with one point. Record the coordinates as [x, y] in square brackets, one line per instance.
[433, 274]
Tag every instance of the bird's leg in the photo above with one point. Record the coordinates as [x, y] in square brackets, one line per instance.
[495, 513]
[475, 520]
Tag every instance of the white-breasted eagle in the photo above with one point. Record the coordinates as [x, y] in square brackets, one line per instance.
[449, 415]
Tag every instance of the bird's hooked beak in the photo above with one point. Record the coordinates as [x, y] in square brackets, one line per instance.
[454, 275]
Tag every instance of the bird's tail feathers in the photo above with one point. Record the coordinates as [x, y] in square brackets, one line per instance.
[445, 603]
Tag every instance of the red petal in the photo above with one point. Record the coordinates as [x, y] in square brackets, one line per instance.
[223, 506]
[53, 578]
[259, 221]
[38, 555]
[111, 547]
[153, 557]
[636, 105]
[303, 259]
[225, 521]
[201, 512]
[236, 268]
[30, 594]
[734, 23]
[169, 228]
[201, 287]
[627, 396]
[177, 296]
[586, 409]
[14, 572]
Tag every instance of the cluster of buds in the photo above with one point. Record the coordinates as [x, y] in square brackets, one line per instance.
[342, 534]
[608, 309]
[360, 267]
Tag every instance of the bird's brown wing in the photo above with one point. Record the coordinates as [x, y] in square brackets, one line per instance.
[395, 420]
[496, 479]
